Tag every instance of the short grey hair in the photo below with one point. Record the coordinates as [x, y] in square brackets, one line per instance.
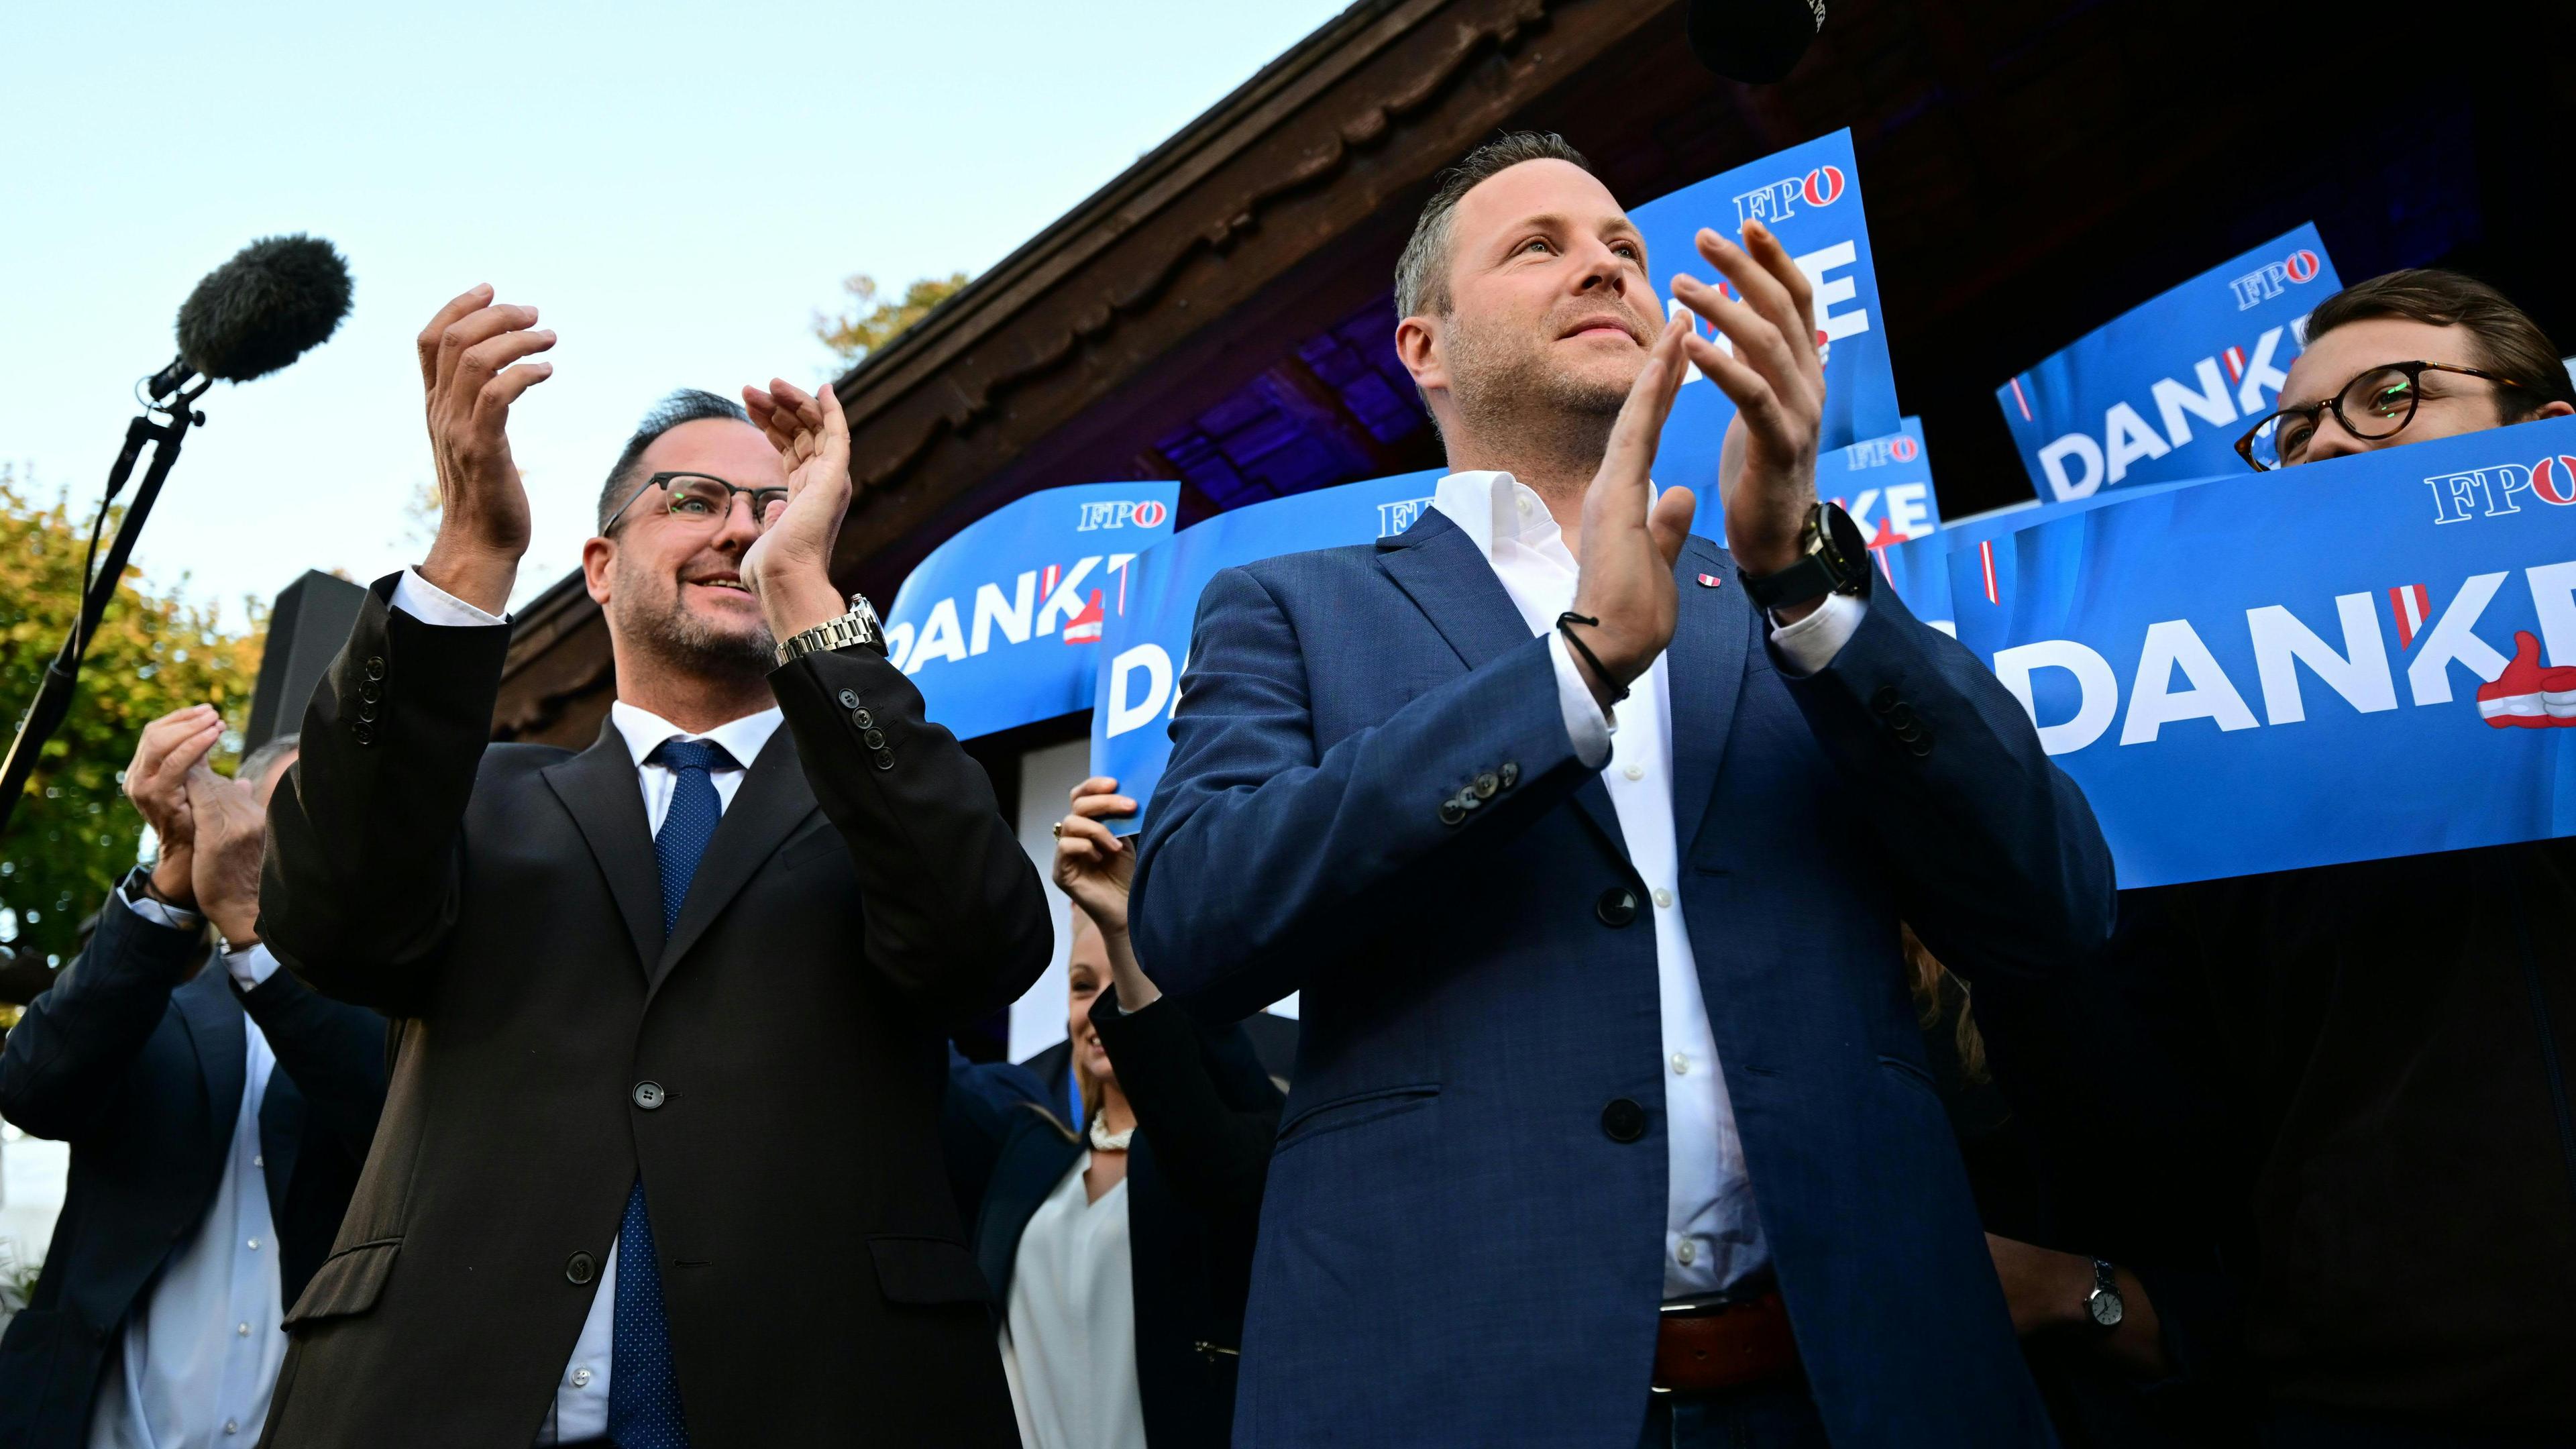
[255, 766]
[688, 405]
[1422, 273]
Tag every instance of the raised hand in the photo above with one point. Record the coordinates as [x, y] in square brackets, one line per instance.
[232, 831]
[157, 783]
[471, 371]
[1095, 867]
[1626, 578]
[789, 569]
[1776, 377]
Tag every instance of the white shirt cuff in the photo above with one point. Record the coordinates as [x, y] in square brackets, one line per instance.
[431, 604]
[250, 966]
[1810, 644]
[1586, 722]
[160, 913]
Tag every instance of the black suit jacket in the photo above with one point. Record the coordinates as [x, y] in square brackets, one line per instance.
[1206, 1115]
[861, 897]
[140, 1067]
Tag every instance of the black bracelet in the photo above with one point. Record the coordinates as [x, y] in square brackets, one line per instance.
[1564, 623]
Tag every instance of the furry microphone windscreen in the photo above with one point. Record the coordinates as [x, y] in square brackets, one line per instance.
[277, 298]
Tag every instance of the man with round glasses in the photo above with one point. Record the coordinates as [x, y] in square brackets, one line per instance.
[660, 1162]
[2380, 1052]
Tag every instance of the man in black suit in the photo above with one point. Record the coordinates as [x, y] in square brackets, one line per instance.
[660, 1163]
[218, 1111]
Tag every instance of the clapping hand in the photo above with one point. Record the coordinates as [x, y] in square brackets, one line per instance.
[157, 782]
[1626, 579]
[789, 569]
[1776, 377]
[232, 831]
[471, 371]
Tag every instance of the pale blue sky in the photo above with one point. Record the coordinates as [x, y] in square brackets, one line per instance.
[677, 187]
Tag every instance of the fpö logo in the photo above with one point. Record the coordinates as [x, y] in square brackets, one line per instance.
[1777, 202]
[2499, 490]
[1122, 513]
[2273, 278]
[1880, 452]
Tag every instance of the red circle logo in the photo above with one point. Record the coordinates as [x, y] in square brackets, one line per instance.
[1903, 450]
[1824, 186]
[2554, 479]
[1149, 514]
[2302, 266]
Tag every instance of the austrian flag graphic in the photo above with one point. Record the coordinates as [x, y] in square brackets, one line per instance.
[2527, 696]
[2411, 606]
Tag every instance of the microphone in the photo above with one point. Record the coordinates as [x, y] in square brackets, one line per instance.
[274, 301]
[1754, 41]
[277, 299]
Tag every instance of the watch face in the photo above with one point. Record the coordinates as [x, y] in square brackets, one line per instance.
[2106, 1307]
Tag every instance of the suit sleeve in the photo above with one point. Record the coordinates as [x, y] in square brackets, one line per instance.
[1255, 836]
[956, 919]
[365, 853]
[66, 1058]
[334, 1053]
[2001, 864]
[1216, 1154]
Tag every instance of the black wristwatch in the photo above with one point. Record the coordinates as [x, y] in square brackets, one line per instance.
[2104, 1305]
[1833, 559]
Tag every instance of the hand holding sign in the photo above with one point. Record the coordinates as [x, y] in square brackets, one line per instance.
[789, 567]
[1776, 378]
[1626, 580]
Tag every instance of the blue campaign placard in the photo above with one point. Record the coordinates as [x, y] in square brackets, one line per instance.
[1885, 484]
[1920, 568]
[1001, 624]
[1146, 652]
[2164, 391]
[2366, 657]
[1809, 196]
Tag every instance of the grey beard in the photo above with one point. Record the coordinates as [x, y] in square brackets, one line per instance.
[672, 633]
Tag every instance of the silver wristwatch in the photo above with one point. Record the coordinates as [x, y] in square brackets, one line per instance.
[859, 626]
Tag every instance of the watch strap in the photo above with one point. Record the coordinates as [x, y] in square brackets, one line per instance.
[1833, 558]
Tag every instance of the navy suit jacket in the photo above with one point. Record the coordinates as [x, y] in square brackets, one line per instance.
[1463, 1236]
[142, 1073]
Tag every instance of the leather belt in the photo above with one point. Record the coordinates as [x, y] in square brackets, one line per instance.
[1708, 1348]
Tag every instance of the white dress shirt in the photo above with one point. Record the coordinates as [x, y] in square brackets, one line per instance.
[1073, 1301]
[1712, 1239]
[199, 1353]
[581, 1395]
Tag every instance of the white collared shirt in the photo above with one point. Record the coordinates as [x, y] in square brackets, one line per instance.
[1712, 1238]
[198, 1355]
[581, 1394]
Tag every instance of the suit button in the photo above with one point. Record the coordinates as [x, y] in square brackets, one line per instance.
[580, 1268]
[885, 759]
[1919, 747]
[1486, 784]
[649, 1095]
[371, 691]
[1623, 1120]
[1510, 774]
[1451, 812]
[1901, 716]
[873, 739]
[863, 719]
[1886, 700]
[363, 733]
[367, 711]
[1909, 732]
[849, 699]
[376, 666]
[1617, 906]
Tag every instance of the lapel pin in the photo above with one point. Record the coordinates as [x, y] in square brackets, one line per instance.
[1708, 581]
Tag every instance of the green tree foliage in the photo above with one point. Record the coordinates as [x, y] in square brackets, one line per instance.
[871, 322]
[74, 831]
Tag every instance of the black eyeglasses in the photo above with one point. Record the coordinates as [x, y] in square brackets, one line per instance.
[2377, 404]
[701, 500]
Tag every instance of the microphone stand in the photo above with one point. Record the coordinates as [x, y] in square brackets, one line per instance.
[168, 392]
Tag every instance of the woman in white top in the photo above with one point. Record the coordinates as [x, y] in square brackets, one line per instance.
[1121, 1264]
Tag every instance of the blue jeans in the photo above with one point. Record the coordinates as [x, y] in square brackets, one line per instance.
[1772, 1416]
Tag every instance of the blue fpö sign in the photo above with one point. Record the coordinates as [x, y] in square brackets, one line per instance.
[2365, 657]
[1809, 196]
[2164, 391]
[1001, 624]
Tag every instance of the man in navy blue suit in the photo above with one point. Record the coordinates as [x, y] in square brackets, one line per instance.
[1588, 844]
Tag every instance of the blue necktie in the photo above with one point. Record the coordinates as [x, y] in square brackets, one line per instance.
[643, 1387]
